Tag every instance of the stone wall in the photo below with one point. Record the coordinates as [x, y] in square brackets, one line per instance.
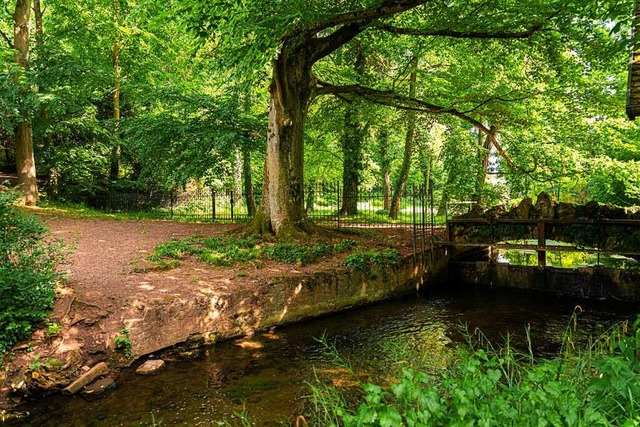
[590, 228]
[158, 325]
[587, 282]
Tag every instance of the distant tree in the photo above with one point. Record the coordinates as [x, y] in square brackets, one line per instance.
[25, 161]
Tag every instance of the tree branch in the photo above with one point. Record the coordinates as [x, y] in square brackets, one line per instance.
[384, 9]
[502, 34]
[4, 36]
[323, 46]
[392, 99]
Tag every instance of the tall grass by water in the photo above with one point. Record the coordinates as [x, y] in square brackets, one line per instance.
[596, 383]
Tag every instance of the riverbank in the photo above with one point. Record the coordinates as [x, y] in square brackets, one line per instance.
[118, 307]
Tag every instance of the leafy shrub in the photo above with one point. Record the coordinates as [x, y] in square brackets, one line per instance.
[123, 343]
[28, 262]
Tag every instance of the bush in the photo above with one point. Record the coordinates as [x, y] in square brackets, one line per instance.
[28, 262]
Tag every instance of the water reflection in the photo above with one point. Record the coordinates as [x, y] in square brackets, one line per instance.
[267, 374]
[563, 259]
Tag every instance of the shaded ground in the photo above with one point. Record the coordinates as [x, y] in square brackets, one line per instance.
[109, 267]
[109, 275]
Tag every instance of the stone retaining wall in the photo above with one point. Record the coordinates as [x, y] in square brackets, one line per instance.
[156, 325]
[584, 282]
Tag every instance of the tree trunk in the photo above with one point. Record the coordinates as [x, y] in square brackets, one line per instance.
[352, 140]
[114, 172]
[408, 148]
[249, 197]
[237, 177]
[633, 88]
[282, 208]
[37, 14]
[385, 166]
[25, 160]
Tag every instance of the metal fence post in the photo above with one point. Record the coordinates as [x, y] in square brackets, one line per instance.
[213, 205]
[171, 203]
[232, 201]
[338, 200]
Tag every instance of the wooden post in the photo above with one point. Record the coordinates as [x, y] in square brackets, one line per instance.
[542, 254]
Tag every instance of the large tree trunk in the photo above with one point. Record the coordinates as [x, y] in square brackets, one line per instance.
[282, 208]
[25, 160]
[249, 197]
[352, 140]
[408, 148]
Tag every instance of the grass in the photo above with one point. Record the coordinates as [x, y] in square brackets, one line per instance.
[228, 251]
[597, 384]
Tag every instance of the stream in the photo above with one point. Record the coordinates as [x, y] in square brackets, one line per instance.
[267, 375]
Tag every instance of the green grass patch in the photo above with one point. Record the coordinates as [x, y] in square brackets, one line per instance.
[227, 251]
[361, 261]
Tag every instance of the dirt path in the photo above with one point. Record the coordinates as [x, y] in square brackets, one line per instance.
[107, 257]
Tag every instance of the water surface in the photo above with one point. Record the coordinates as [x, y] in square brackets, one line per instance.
[267, 375]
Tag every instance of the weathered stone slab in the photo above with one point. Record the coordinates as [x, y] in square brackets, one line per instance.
[97, 371]
[150, 367]
[98, 387]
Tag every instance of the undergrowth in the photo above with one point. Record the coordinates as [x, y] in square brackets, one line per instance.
[362, 260]
[597, 384]
[28, 272]
[228, 251]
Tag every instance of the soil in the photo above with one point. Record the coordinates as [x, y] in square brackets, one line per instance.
[109, 269]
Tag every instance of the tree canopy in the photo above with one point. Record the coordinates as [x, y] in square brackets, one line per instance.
[539, 84]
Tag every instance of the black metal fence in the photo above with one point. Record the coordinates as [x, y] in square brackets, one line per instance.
[325, 202]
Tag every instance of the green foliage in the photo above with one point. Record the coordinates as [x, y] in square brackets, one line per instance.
[28, 263]
[292, 253]
[49, 364]
[231, 250]
[123, 343]
[362, 261]
[595, 385]
[53, 328]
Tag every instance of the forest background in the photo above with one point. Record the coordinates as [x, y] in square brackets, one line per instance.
[488, 100]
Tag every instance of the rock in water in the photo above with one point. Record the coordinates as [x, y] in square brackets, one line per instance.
[98, 387]
[150, 367]
[97, 371]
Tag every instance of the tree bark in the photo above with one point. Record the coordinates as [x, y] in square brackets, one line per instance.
[282, 208]
[37, 14]
[484, 153]
[385, 166]
[114, 172]
[352, 141]
[633, 87]
[408, 148]
[237, 177]
[25, 159]
[247, 178]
